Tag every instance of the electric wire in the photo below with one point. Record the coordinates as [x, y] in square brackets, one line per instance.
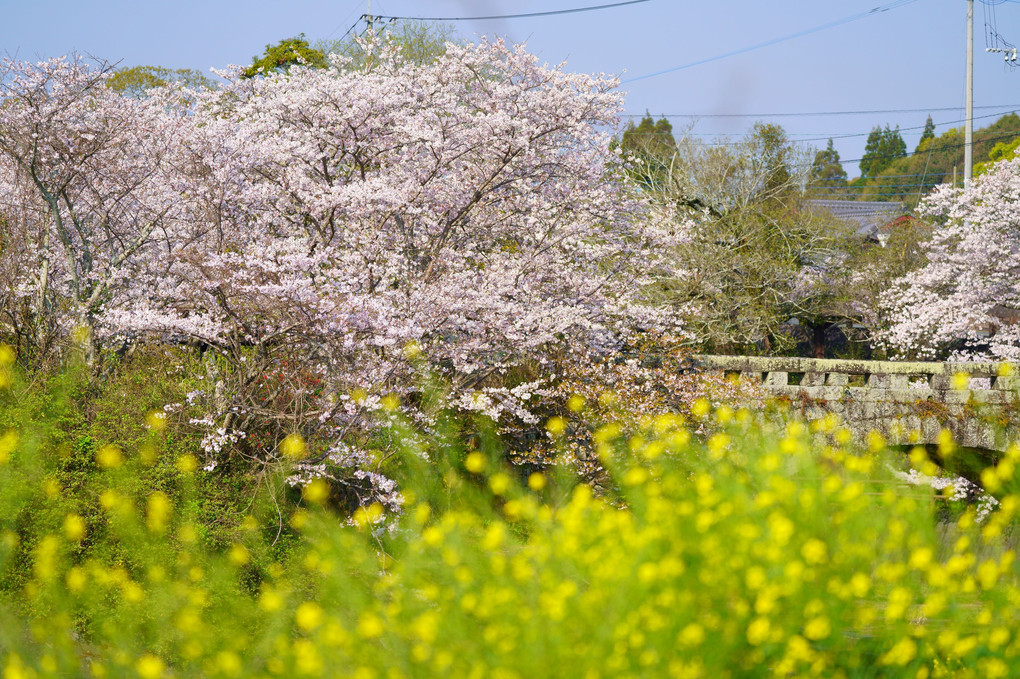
[768, 43]
[1001, 137]
[525, 15]
[343, 21]
[813, 137]
[819, 113]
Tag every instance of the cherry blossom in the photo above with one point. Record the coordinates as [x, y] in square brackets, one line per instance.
[327, 238]
[964, 303]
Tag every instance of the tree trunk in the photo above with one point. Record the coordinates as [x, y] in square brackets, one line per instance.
[818, 340]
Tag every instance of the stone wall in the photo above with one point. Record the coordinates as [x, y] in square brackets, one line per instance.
[906, 402]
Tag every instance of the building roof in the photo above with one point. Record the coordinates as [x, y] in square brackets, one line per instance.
[866, 216]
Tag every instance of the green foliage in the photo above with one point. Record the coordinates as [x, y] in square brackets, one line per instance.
[650, 149]
[882, 148]
[828, 179]
[284, 54]
[419, 43]
[927, 136]
[754, 255]
[768, 549]
[1004, 150]
[649, 138]
[771, 148]
[137, 80]
[74, 423]
[908, 178]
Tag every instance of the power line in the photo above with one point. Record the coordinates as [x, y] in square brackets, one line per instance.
[526, 15]
[817, 113]
[344, 20]
[353, 26]
[832, 24]
[1000, 137]
[817, 136]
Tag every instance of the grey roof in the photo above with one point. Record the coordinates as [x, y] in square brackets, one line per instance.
[867, 216]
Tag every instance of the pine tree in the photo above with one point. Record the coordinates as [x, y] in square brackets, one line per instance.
[883, 147]
[652, 145]
[927, 136]
[827, 173]
[649, 138]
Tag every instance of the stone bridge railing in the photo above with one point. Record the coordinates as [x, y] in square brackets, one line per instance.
[906, 402]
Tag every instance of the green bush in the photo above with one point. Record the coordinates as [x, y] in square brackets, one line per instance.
[771, 551]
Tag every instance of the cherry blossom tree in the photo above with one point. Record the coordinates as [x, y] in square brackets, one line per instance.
[966, 301]
[342, 232]
[85, 189]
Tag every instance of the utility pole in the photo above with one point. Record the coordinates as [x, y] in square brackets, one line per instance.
[968, 139]
[368, 14]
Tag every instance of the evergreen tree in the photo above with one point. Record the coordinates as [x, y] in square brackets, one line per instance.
[286, 53]
[827, 173]
[138, 80]
[928, 134]
[649, 138]
[770, 144]
[883, 147]
[652, 145]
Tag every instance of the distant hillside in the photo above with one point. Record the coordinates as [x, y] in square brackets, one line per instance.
[933, 162]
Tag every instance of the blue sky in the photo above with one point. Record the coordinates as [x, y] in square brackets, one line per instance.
[910, 56]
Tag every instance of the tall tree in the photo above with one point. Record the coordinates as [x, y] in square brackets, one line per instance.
[469, 207]
[86, 184]
[827, 178]
[966, 299]
[136, 81]
[770, 149]
[284, 54]
[650, 147]
[418, 43]
[883, 147]
[649, 137]
[928, 135]
[748, 255]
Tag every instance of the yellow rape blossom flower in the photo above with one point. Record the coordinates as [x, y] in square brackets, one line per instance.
[904, 651]
[475, 462]
[157, 512]
[76, 579]
[187, 463]
[293, 447]
[499, 483]
[876, 442]
[316, 491]
[74, 528]
[814, 552]
[109, 457]
[817, 628]
[270, 600]
[156, 421]
[370, 626]
[308, 616]
[556, 425]
[758, 631]
[238, 554]
[691, 635]
[8, 443]
[961, 381]
[149, 667]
